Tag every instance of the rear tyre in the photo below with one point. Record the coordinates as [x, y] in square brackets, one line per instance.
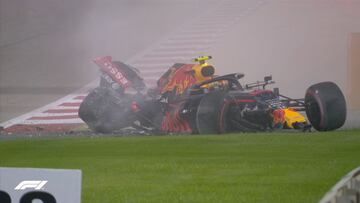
[325, 106]
[211, 114]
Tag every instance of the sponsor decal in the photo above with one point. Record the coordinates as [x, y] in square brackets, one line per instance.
[28, 184]
[110, 68]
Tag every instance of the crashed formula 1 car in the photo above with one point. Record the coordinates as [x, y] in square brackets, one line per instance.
[189, 98]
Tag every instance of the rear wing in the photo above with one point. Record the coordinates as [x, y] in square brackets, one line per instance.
[105, 63]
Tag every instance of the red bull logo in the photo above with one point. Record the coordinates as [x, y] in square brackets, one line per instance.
[180, 80]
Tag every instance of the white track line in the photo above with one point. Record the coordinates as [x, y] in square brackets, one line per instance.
[58, 121]
[42, 114]
[23, 118]
[150, 71]
[65, 107]
[144, 67]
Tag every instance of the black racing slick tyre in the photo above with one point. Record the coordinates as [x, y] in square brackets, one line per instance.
[211, 114]
[325, 106]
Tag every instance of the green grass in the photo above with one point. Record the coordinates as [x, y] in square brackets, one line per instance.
[262, 167]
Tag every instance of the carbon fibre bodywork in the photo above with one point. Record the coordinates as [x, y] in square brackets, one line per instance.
[188, 98]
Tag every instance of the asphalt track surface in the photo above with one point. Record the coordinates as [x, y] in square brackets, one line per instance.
[48, 55]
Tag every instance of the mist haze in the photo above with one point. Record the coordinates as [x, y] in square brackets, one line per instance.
[46, 47]
[299, 43]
